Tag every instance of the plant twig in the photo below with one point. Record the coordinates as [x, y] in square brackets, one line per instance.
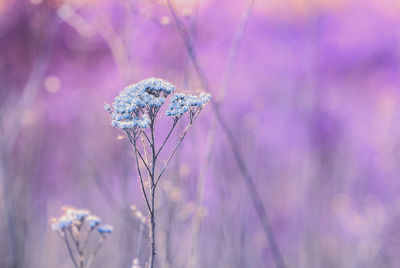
[166, 139]
[144, 161]
[71, 254]
[101, 241]
[133, 142]
[147, 138]
[172, 153]
[142, 184]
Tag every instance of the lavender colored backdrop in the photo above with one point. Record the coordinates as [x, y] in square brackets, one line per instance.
[310, 90]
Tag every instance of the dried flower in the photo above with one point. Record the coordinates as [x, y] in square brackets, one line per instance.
[128, 106]
[75, 226]
[105, 229]
[135, 111]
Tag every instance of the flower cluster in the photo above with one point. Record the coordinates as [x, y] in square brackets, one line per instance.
[135, 109]
[127, 111]
[76, 218]
[75, 227]
[137, 104]
[181, 103]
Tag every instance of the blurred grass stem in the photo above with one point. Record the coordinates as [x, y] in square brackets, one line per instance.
[249, 182]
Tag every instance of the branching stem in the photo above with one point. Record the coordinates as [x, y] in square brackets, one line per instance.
[94, 253]
[133, 142]
[172, 153]
[166, 139]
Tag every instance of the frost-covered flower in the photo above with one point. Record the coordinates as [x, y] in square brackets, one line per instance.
[204, 97]
[178, 105]
[93, 221]
[76, 214]
[80, 214]
[76, 225]
[181, 103]
[105, 229]
[136, 108]
[61, 223]
[127, 111]
[74, 217]
[107, 107]
[137, 104]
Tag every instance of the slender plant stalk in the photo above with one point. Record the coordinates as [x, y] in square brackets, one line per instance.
[139, 241]
[68, 245]
[172, 154]
[249, 182]
[211, 134]
[149, 96]
[95, 251]
[151, 171]
[152, 193]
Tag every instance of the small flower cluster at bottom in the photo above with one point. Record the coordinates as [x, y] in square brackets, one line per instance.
[73, 217]
[75, 227]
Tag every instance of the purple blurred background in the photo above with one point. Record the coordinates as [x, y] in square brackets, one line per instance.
[312, 100]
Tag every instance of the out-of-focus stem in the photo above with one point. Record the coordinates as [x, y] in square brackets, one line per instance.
[139, 241]
[104, 28]
[7, 141]
[69, 249]
[152, 229]
[254, 195]
[199, 198]
[211, 134]
[94, 253]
